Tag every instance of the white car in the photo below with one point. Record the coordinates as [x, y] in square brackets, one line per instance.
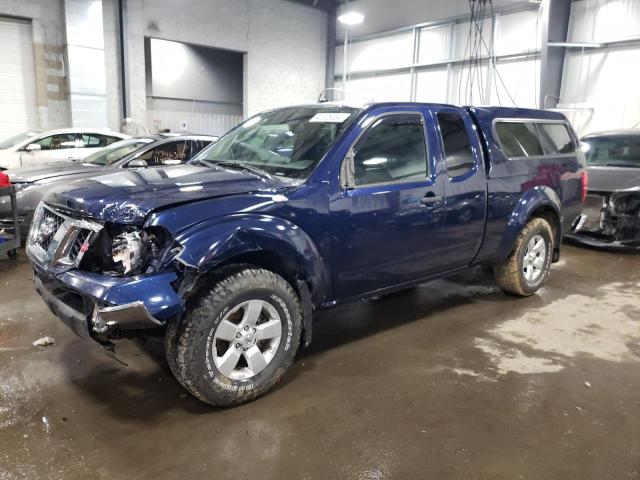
[33, 149]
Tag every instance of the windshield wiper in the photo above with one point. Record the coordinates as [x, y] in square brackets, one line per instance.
[237, 166]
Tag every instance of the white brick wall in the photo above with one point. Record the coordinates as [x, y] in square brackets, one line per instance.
[286, 54]
[285, 45]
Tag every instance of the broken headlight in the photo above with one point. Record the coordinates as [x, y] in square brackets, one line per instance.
[626, 203]
[132, 251]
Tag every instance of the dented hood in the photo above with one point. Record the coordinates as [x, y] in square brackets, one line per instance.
[611, 179]
[129, 196]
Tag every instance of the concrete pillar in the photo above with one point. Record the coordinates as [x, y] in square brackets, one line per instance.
[554, 29]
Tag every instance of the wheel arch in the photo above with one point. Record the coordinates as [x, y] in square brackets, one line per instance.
[262, 241]
[538, 202]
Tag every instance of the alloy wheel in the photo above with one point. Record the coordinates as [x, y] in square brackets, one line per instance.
[247, 339]
[535, 259]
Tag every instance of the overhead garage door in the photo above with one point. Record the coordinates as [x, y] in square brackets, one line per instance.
[18, 87]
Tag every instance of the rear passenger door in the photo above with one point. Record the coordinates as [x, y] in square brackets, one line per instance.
[465, 184]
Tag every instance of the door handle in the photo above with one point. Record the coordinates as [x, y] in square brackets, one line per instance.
[430, 198]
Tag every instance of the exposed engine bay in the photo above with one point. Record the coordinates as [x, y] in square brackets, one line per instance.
[610, 219]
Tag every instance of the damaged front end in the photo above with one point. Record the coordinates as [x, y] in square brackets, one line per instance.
[610, 219]
[103, 280]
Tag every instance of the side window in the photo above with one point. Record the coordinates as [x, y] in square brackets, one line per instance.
[555, 138]
[196, 147]
[56, 142]
[457, 145]
[518, 139]
[171, 153]
[97, 140]
[392, 150]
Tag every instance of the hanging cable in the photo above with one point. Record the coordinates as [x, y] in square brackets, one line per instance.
[493, 62]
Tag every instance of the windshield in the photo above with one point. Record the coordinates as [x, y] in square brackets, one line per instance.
[21, 137]
[116, 151]
[287, 142]
[614, 151]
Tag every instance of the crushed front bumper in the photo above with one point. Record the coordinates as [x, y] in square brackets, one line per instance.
[603, 225]
[101, 308]
[602, 242]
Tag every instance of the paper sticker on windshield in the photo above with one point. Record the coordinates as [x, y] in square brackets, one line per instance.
[330, 117]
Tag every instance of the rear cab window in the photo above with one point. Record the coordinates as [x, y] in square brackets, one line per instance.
[530, 138]
[457, 144]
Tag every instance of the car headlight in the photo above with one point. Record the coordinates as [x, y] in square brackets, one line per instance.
[128, 250]
[626, 203]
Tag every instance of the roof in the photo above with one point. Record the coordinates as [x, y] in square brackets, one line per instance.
[493, 111]
[83, 130]
[614, 133]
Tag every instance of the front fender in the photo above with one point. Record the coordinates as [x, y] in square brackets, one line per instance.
[538, 198]
[212, 243]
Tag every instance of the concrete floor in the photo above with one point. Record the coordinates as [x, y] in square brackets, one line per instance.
[448, 380]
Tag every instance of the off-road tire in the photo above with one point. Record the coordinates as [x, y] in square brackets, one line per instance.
[188, 342]
[509, 275]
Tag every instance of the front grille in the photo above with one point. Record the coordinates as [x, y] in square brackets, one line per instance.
[57, 241]
[49, 226]
[78, 243]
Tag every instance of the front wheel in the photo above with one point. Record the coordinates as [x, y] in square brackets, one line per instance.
[527, 267]
[238, 338]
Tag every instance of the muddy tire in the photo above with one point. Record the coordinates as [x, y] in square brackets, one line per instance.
[238, 338]
[527, 267]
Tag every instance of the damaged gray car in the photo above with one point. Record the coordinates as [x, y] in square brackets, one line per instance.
[35, 183]
[611, 215]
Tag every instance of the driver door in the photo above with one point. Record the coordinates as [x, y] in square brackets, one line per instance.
[388, 225]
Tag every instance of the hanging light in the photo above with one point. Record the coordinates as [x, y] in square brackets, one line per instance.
[351, 18]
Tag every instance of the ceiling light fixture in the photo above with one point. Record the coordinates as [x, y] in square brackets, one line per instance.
[351, 18]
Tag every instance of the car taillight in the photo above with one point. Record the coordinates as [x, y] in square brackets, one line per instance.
[4, 180]
[584, 184]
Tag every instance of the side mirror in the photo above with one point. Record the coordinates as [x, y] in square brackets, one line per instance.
[347, 177]
[137, 163]
[33, 147]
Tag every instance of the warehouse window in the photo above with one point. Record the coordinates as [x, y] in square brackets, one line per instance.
[393, 150]
[456, 143]
[519, 139]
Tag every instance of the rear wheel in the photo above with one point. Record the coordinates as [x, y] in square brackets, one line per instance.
[238, 338]
[527, 267]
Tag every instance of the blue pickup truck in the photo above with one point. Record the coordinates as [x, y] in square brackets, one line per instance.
[298, 209]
